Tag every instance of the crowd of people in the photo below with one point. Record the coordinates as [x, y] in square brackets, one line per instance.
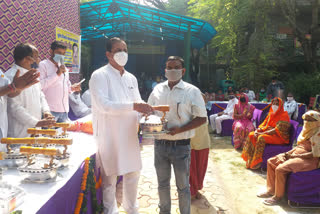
[274, 89]
[38, 94]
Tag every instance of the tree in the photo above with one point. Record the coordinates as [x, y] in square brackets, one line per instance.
[177, 6]
[243, 43]
[291, 11]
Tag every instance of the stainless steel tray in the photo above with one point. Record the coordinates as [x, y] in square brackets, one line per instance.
[13, 160]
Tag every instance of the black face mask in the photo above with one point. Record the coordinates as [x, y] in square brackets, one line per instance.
[231, 97]
[242, 99]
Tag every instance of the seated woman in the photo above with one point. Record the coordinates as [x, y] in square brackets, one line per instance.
[274, 130]
[304, 157]
[242, 125]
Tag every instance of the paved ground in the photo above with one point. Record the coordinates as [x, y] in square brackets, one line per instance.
[229, 188]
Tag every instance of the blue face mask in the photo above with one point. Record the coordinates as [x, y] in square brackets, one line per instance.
[58, 58]
[34, 65]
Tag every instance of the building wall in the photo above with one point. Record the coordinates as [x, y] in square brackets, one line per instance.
[34, 21]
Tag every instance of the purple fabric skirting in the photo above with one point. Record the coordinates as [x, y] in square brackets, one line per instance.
[227, 127]
[273, 150]
[65, 199]
[304, 187]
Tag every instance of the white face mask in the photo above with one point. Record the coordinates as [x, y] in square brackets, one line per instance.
[289, 98]
[275, 108]
[58, 58]
[121, 58]
[173, 75]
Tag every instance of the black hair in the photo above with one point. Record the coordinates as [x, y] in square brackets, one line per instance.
[111, 42]
[74, 45]
[274, 78]
[174, 58]
[23, 50]
[57, 44]
[290, 93]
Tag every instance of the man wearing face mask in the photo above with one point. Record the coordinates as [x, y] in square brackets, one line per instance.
[116, 102]
[55, 83]
[275, 88]
[262, 94]
[27, 109]
[291, 106]
[216, 119]
[187, 112]
[250, 94]
[12, 89]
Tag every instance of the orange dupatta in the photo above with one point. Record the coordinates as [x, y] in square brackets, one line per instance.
[272, 120]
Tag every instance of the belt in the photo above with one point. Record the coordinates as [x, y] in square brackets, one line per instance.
[183, 142]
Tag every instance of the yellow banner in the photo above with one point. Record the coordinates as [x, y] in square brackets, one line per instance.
[73, 52]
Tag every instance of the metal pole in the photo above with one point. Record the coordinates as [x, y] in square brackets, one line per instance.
[187, 49]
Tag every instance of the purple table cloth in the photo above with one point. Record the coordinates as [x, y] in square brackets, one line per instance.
[304, 187]
[71, 115]
[65, 199]
[272, 150]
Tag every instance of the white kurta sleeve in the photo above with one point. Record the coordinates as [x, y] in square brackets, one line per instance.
[151, 100]
[99, 94]
[16, 110]
[44, 103]
[137, 93]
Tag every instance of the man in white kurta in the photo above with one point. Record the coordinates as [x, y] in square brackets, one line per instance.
[12, 89]
[115, 97]
[26, 110]
[216, 119]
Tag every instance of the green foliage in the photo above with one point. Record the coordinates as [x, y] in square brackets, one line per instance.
[255, 73]
[243, 42]
[230, 18]
[304, 86]
[177, 6]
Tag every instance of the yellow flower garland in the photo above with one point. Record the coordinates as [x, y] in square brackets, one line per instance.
[83, 186]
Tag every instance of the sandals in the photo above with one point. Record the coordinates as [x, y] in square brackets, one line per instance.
[272, 201]
[264, 195]
[256, 166]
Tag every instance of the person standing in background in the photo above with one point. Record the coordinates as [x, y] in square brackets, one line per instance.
[26, 110]
[200, 145]
[55, 83]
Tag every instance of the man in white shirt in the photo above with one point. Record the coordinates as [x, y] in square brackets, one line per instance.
[116, 102]
[12, 89]
[187, 112]
[250, 94]
[291, 106]
[55, 83]
[26, 110]
[216, 119]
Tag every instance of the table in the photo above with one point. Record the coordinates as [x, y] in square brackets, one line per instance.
[38, 194]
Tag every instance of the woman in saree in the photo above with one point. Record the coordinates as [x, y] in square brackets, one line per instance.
[274, 130]
[304, 157]
[242, 125]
